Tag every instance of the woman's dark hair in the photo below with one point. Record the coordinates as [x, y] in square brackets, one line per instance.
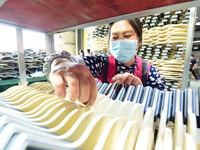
[81, 51]
[135, 23]
[88, 50]
[192, 55]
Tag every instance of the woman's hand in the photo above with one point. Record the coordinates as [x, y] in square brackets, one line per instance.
[81, 83]
[127, 79]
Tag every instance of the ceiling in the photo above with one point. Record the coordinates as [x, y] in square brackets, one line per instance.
[56, 15]
[61, 15]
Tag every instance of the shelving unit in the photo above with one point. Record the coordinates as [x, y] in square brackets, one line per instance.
[9, 63]
[167, 44]
[58, 16]
[61, 20]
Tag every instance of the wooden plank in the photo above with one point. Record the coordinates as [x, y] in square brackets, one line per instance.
[52, 15]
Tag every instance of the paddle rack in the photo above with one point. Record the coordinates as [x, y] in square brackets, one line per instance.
[167, 44]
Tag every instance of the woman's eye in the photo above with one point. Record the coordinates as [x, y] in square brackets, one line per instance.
[127, 36]
[114, 38]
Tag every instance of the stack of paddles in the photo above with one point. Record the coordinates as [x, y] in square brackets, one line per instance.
[100, 35]
[166, 44]
[171, 71]
[121, 118]
[172, 33]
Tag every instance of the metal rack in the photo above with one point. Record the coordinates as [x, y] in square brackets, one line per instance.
[189, 47]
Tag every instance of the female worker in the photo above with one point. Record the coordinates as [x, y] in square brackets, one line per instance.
[81, 53]
[122, 66]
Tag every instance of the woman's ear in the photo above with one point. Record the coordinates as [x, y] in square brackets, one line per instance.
[139, 44]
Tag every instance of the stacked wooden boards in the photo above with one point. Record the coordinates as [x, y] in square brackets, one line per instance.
[164, 44]
[9, 64]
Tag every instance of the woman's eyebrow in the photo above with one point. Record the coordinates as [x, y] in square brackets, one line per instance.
[114, 33]
[129, 31]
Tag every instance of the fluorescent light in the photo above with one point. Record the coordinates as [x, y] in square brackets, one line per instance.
[197, 24]
[195, 47]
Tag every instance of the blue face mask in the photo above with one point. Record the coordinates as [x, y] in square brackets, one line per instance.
[124, 50]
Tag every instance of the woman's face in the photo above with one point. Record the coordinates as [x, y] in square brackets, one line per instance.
[122, 30]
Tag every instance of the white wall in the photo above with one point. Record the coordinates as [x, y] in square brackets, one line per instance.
[8, 41]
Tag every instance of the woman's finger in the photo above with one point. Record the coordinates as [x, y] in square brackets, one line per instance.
[129, 80]
[120, 78]
[86, 81]
[84, 87]
[81, 83]
[72, 82]
[93, 90]
[58, 84]
[136, 81]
